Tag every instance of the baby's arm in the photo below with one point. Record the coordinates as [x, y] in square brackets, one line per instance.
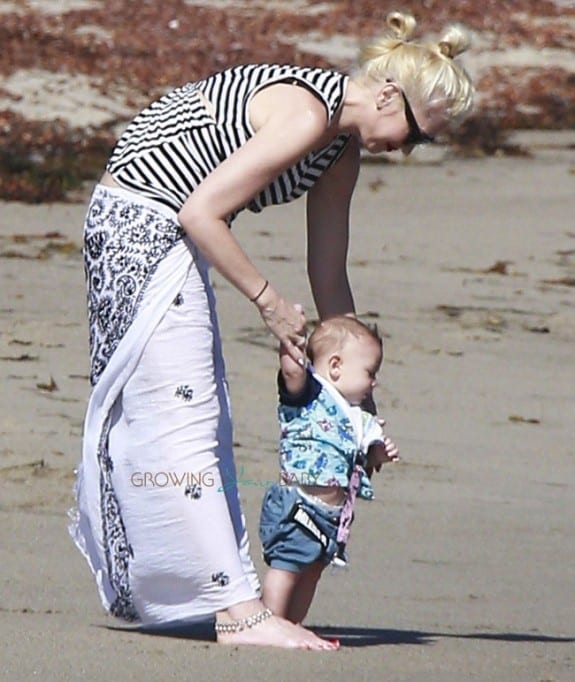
[294, 375]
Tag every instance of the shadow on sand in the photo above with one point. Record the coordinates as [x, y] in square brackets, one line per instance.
[352, 636]
[359, 637]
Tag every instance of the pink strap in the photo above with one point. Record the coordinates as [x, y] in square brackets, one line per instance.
[347, 510]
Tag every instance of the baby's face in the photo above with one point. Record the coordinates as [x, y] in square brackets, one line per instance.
[360, 363]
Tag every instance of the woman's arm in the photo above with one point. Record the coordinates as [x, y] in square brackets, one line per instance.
[290, 124]
[328, 240]
[328, 209]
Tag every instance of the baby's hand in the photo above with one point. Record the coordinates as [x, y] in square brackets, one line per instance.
[381, 453]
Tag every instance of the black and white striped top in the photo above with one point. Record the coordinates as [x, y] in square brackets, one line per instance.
[171, 146]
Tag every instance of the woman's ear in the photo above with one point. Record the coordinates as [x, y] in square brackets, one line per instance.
[386, 94]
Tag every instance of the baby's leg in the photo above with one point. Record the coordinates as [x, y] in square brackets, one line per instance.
[304, 591]
[278, 590]
[290, 594]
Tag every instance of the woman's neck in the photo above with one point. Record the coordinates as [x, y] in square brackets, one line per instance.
[347, 119]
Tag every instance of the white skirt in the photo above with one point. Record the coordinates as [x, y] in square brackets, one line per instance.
[158, 515]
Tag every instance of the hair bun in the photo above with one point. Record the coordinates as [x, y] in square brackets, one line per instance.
[454, 40]
[401, 25]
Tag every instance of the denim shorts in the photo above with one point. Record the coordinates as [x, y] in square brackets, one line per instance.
[294, 531]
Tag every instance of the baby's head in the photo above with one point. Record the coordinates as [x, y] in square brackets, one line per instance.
[348, 354]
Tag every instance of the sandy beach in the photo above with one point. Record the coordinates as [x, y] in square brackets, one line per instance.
[462, 567]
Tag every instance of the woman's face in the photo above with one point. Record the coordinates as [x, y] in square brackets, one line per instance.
[395, 124]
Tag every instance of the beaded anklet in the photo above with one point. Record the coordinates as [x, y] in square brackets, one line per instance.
[244, 623]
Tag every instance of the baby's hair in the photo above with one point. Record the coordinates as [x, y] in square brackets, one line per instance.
[425, 71]
[332, 333]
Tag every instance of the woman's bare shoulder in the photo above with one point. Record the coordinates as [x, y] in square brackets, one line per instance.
[289, 101]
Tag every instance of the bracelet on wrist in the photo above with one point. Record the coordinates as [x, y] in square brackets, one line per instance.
[261, 291]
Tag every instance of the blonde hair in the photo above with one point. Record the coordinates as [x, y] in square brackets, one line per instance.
[427, 71]
[331, 335]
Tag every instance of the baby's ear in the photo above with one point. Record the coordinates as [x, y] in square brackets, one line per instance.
[334, 366]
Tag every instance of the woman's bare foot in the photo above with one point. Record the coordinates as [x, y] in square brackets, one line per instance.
[278, 632]
[260, 628]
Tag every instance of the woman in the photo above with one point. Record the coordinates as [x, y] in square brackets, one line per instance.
[165, 539]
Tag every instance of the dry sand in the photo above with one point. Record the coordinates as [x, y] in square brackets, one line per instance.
[462, 569]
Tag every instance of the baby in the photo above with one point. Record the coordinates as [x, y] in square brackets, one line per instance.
[328, 445]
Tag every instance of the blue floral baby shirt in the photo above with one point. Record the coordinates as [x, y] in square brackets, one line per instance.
[322, 436]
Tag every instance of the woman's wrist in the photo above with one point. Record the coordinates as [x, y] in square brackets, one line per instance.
[261, 291]
[264, 297]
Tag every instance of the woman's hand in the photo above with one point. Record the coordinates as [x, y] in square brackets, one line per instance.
[285, 321]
